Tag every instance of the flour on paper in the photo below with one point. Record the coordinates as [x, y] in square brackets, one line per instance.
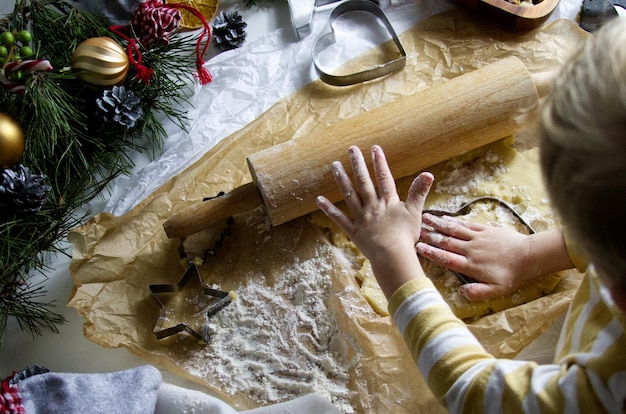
[280, 338]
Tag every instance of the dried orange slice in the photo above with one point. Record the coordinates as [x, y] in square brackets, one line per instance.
[208, 8]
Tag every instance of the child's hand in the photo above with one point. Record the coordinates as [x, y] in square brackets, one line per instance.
[493, 256]
[383, 227]
[501, 260]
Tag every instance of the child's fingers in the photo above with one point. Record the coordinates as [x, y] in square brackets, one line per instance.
[453, 261]
[442, 241]
[418, 191]
[448, 226]
[335, 214]
[472, 225]
[350, 195]
[384, 178]
[362, 179]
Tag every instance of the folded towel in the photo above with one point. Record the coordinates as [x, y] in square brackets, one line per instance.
[130, 391]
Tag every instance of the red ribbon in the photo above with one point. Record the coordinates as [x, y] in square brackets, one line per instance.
[10, 398]
[144, 73]
[202, 73]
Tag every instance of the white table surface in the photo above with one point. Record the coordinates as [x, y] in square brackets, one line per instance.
[68, 350]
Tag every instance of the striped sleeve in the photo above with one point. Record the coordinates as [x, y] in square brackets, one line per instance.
[576, 254]
[446, 353]
[465, 378]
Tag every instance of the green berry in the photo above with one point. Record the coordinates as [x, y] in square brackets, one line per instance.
[15, 76]
[7, 38]
[24, 36]
[4, 52]
[26, 51]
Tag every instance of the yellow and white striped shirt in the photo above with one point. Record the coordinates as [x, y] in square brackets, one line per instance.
[588, 375]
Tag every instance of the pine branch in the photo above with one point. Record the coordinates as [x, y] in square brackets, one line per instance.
[70, 141]
[61, 27]
[32, 315]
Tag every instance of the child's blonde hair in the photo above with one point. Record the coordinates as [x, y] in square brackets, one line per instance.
[583, 148]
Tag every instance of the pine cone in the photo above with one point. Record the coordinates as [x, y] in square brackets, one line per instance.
[120, 106]
[22, 192]
[27, 373]
[229, 30]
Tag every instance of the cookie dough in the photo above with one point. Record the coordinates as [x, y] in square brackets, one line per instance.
[496, 170]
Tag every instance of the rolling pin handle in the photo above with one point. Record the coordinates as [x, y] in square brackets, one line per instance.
[202, 215]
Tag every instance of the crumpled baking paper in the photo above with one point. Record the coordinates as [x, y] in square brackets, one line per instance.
[248, 81]
[117, 257]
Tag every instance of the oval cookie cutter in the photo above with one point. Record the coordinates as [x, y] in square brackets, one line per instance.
[329, 39]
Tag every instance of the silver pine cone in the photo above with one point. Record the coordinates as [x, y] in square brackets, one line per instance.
[22, 192]
[229, 30]
[120, 106]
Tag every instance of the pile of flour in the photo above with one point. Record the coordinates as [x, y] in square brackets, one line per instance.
[276, 343]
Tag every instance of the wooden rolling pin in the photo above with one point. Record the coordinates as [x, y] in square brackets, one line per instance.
[415, 132]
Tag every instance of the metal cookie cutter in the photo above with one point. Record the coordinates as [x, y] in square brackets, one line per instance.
[465, 208]
[374, 72]
[173, 296]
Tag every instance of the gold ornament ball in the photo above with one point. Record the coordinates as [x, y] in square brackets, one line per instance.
[100, 61]
[11, 141]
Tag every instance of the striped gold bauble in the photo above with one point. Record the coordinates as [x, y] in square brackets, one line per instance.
[100, 61]
[11, 141]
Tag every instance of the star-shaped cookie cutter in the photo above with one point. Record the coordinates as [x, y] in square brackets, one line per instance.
[169, 296]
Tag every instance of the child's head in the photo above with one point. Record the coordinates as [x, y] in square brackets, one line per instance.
[583, 149]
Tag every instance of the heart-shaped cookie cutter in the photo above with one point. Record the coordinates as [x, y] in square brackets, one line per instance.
[329, 39]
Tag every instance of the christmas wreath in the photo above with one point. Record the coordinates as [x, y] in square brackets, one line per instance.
[76, 96]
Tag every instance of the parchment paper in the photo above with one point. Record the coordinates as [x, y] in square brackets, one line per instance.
[116, 258]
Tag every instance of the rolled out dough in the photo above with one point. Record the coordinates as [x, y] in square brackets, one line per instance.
[497, 170]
